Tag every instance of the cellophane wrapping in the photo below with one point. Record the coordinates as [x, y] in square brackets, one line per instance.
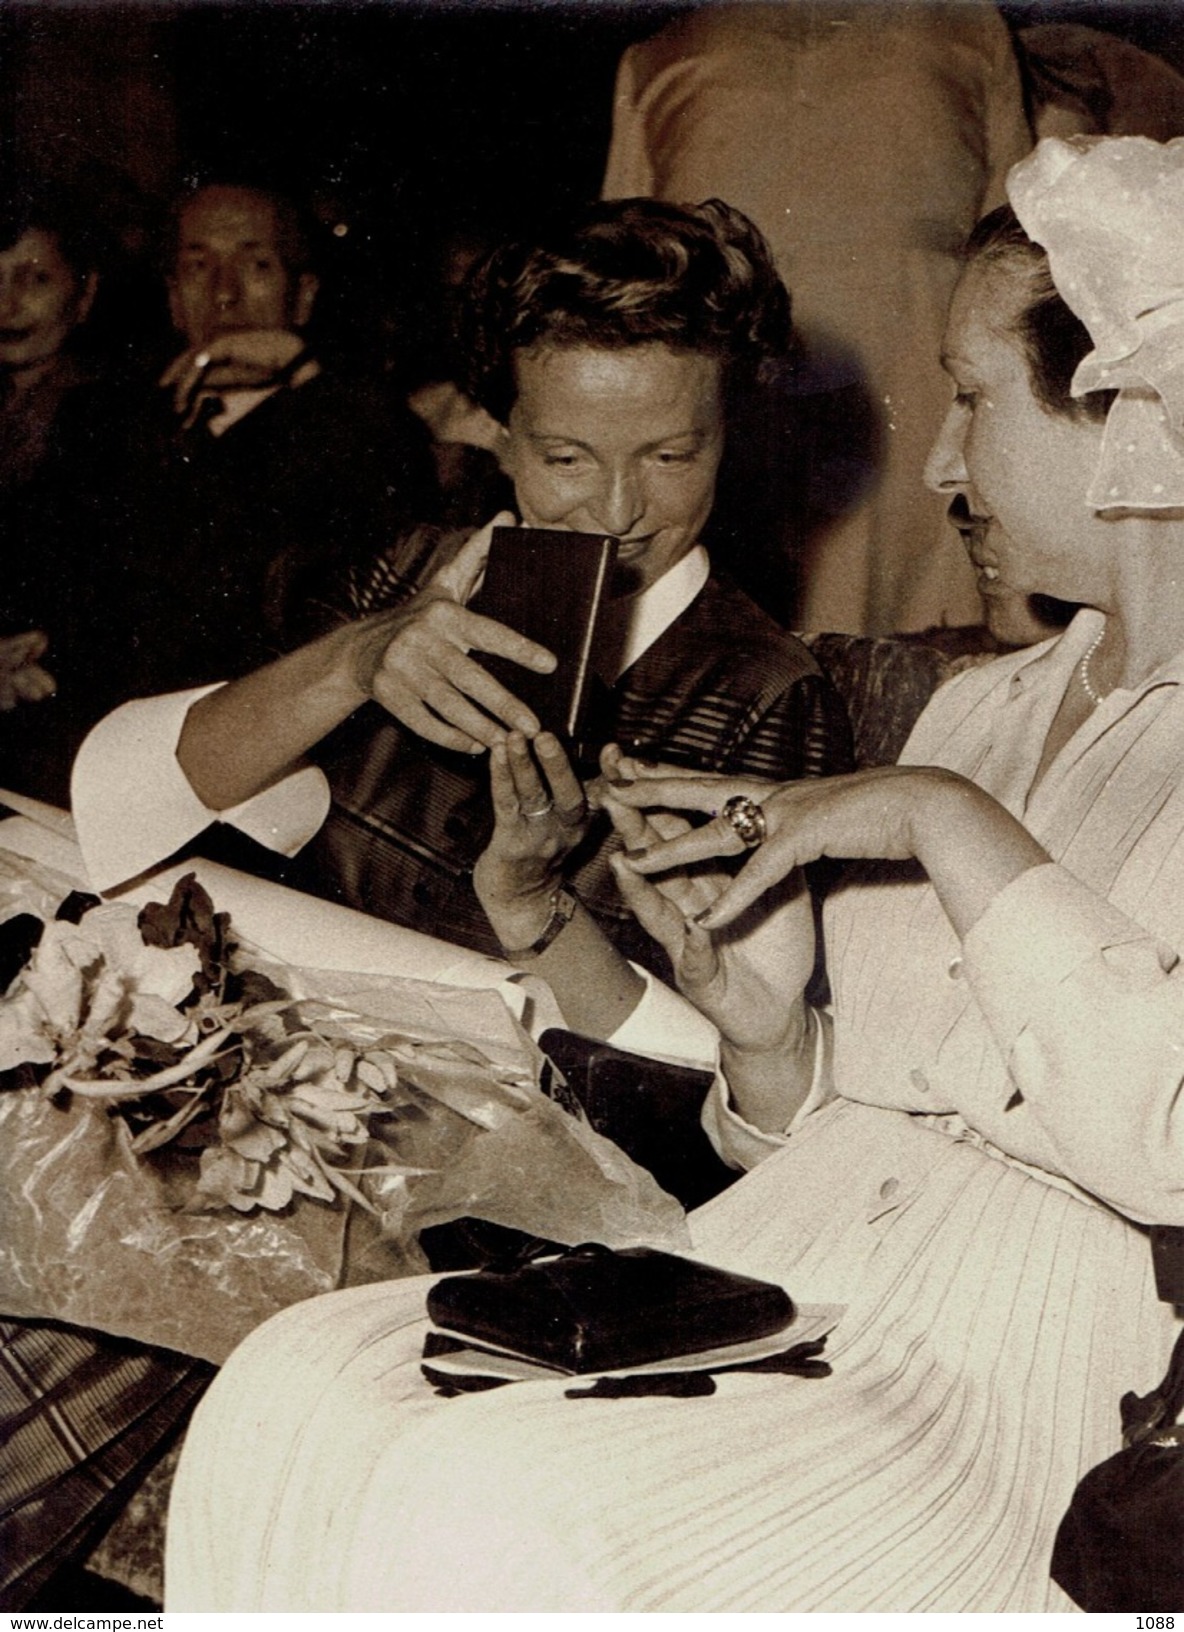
[100, 1234]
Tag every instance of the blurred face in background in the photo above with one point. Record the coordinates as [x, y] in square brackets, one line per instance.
[42, 300]
[229, 270]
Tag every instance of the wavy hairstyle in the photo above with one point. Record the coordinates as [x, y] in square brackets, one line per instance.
[1053, 339]
[58, 210]
[633, 272]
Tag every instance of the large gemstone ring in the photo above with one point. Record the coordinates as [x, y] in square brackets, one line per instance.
[747, 820]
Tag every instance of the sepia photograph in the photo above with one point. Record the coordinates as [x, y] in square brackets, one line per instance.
[591, 828]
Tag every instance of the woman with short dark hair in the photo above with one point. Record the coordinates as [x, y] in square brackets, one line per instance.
[605, 348]
[49, 268]
[696, 278]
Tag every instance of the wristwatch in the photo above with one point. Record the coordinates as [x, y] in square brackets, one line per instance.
[563, 906]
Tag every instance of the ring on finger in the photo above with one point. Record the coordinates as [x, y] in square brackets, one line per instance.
[536, 812]
[747, 820]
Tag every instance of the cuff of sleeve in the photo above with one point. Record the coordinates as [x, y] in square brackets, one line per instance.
[740, 1143]
[285, 816]
[666, 1026]
[133, 806]
[1036, 934]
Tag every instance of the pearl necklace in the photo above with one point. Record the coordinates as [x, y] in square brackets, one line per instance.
[1083, 668]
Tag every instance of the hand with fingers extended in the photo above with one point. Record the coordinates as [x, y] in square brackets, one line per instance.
[970, 846]
[540, 815]
[416, 662]
[22, 678]
[748, 979]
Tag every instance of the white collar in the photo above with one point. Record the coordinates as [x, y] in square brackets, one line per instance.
[237, 405]
[238, 401]
[650, 613]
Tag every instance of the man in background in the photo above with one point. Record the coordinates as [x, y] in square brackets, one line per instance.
[257, 467]
[197, 516]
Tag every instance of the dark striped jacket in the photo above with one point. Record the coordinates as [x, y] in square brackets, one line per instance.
[723, 689]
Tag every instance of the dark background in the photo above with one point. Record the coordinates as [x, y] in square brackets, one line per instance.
[406, 123]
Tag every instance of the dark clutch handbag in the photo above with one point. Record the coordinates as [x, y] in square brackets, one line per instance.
[1120, 1545]
[595, 1309]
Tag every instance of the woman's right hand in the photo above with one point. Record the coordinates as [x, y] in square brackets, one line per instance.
[748, 979]
[415, 659]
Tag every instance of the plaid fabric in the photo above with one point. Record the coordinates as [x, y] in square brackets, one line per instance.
[886, 681]
[722, 689]
[82, 1419]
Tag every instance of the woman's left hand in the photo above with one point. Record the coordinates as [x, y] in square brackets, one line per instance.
[540, 815]
[969, 844]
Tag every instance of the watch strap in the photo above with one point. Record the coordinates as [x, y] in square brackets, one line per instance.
[563, 906]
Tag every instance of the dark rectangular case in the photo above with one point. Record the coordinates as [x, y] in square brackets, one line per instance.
[594, 1309]
[548, 585]
[650, 1108]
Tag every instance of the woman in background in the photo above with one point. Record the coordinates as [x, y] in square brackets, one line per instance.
[48, 279]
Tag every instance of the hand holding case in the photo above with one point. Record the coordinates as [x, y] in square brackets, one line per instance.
[594, 1309]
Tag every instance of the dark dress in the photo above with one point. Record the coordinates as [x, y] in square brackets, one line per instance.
[722, 689]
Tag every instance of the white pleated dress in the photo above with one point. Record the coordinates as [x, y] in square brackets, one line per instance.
[995, 1309]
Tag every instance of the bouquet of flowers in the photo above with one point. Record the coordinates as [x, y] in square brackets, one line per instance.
[193, 1138]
